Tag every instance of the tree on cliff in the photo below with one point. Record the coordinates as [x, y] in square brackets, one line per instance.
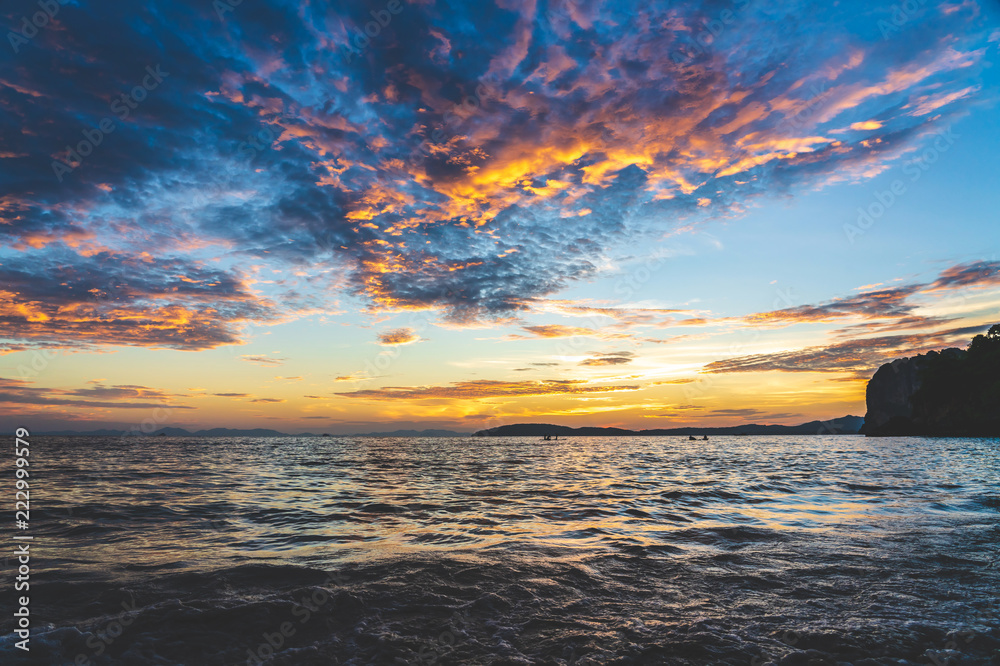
[960, 393]
[982, 344]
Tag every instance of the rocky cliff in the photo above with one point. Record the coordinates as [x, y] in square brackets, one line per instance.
[889, 397]
[953, 393]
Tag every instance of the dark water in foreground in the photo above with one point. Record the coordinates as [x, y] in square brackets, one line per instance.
[749, 550]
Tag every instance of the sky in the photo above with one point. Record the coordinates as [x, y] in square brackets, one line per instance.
[344, 217]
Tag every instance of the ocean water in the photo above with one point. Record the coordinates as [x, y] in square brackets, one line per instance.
[740, 550]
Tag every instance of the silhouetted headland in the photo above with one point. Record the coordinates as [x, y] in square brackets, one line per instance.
[952, 393]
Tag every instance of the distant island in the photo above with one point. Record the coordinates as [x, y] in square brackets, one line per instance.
[846, 425]
[952, 393]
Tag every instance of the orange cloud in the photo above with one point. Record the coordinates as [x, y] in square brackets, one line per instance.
[485, 388]
[612, 358]
[556, 331]
[263, 360]
[399, 336]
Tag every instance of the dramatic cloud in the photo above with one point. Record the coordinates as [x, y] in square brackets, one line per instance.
[896, 305]
[121, 392]
[15, 391]
[400, 336]
[612, 358]
[744, 415]
[746, 412]
[976, 274]
[349, 378]
[474, 159]
[625, 316]
[871, 305]
[881, 311]
[23, 345]
[860, 357]
[893, 326]
[263, 360]
[64, 299]
[484, 388]
[550, 331]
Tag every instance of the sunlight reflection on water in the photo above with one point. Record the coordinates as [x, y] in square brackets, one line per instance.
[187, 501]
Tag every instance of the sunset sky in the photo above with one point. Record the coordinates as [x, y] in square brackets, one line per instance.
[587, 213]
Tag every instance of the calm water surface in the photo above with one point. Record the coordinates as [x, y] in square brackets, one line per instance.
[740, 550]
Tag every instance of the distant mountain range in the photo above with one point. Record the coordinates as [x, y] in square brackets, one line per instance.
[173, 432]
[847, 425]
[253, 432]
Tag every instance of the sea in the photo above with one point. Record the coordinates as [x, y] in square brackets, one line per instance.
[750, 551]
